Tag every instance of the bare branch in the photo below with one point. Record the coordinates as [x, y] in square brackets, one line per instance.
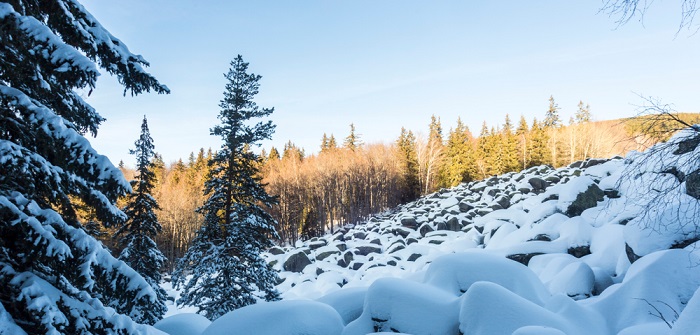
[658, 312]
[625, 10]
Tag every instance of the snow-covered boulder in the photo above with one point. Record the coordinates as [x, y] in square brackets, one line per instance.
[348, 302]
[663, 281]
[396, 305]
[183, 324]
[456, 273]
[689, 320]
[297, 262]
[290, 317]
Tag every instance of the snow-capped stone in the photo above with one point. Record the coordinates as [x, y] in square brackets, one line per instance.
[292, 317]
[296, 262]
[183, 324]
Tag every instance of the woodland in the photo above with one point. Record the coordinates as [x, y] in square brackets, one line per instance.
[347, 180]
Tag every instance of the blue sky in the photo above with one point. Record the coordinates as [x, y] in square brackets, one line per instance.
[386, 64]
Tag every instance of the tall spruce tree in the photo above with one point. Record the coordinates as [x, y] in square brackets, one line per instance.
[54, 277]
[459, 164]
[523, 135]
[433, 155]
[551, 124]
[224, 259]
[137, 234]
[353, 140]
[408, 158]
[537, 146]
[509, 145]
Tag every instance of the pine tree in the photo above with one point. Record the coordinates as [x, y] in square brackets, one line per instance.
[551, 124]
[274, 154]
[54, 277]
[537, 148]
[433, 155]
[551, 117]
[583, 113]
[292, 151]
[353, 140]
[225, 261]
[136, 235]
[522, 133]
[332, 144]
[459, 157]
[410, 179]
[509, 145]
[324, 143]
[484, 152]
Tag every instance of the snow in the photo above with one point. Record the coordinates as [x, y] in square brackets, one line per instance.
[183, 324]
[665, 280]
[348, 302]
[488, 308]
[456, 273]
[292, 317]
[537, 330]
[7, 324]
[689, 322]
[405, 306]
[579, 277]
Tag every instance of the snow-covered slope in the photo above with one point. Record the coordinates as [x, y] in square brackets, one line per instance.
[598, 247]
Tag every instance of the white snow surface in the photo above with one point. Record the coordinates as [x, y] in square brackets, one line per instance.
[292, 317]
[505, 256]
[183, 324]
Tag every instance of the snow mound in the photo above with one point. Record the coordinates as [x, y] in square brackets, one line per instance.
[183, 324]
[293, 317]
[397, 305]
[457, 272]
[348, 302]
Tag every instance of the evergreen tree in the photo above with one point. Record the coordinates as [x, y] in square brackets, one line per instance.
[136, 235]
[324, 143]
[496, 160]
[291, 151]
[410, 185]
[459, 157]
[551, 118]
[54, 277]
[225, 261]
[274, 154]
[522, 133]
[583, 113]
[509, 145]
[353, 141]
[332, 144]
[434, 154]
[551, 125]
[537, 147]
[484, 148]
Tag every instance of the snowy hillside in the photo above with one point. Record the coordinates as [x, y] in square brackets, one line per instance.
[598, 247]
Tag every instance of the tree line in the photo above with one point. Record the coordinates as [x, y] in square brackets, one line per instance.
[347, 181]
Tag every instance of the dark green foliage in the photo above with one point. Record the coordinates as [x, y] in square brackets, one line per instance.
[410, 180]
[538, 145]
[55, 277]
[551, 117]
[352, 142]
[137, 234]
[460, 165]
[224, 259]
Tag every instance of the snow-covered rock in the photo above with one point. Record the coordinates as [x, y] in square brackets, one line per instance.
[183, 324]
[292, 317]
